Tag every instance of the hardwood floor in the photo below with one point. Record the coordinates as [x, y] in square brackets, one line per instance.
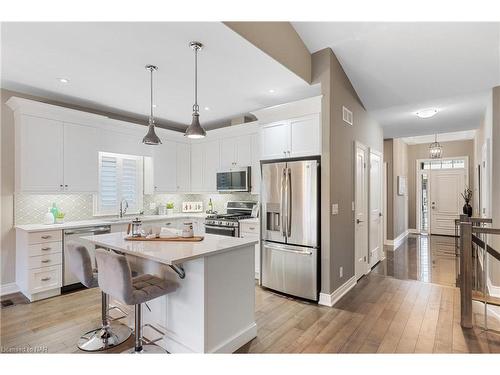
[380, 314]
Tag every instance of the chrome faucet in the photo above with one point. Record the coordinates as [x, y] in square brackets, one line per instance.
[122, 209]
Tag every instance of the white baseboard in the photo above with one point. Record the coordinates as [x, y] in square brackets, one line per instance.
[332, 299]
[397, 241]
[237, 341]
[8, 289]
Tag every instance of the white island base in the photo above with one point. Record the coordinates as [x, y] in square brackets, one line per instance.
[212, 311]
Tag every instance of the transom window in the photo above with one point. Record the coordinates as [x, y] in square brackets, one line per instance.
[443, 164]
[120, 177]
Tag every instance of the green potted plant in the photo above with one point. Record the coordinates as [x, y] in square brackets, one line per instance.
[59, 219]
[170, 208]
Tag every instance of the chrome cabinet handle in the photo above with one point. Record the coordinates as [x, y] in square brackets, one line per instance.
[359, 221]
[282, 205]
[46, 237]
[251, 228]
[289, 202]
[46, 248]
[46, 279]
[223, 228]
[45, 261]
[289, 251]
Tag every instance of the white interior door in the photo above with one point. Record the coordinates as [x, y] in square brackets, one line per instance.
[485, 181]
[361, 210]
[376, 202]
[445, 198]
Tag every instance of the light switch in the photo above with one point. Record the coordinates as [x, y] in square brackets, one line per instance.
[335, 209]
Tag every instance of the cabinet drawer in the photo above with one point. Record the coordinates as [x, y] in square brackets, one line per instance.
[45, 278]
[47, 236]
[47, 260]
[249, 228]
[45, 248]
[250, 236]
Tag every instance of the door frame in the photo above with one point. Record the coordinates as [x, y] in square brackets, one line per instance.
[366, 149]
[418, 187]
[382, 203]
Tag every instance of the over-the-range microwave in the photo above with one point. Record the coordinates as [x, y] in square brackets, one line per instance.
[234, 180]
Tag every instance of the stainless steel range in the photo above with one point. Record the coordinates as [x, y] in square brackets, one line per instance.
[228, 224]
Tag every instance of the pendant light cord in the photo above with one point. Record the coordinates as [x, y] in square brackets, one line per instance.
[151, 113]
[195, 106]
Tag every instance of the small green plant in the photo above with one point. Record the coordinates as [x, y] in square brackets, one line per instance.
[170, 205]
[60, 216]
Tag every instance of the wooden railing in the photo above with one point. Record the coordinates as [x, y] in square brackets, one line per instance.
[473, 234]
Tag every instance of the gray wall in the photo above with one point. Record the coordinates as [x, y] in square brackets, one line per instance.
[421, 151]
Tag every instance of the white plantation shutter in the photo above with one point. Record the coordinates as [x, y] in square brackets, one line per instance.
[120, 177]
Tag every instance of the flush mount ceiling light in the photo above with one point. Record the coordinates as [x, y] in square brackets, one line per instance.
[63, 80]
[271, 91]
[207, 108]
[151, 138]
[195, 130]
[427, 113]
[435, 149]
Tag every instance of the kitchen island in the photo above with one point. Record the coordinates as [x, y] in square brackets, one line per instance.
[212, 311]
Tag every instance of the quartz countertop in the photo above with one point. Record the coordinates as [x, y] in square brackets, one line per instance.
[107, 221]
[171, 253]
[253, 220]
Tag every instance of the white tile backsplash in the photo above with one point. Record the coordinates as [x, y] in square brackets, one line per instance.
[31, 208]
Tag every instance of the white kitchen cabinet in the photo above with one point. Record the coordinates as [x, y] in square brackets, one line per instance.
[250, 229]
[211, 164]
[39, 155]
[292, 138]
[255, 164]
[235, 152]
[165, 167]
[197, 167]
[183, 167]
[80, 158]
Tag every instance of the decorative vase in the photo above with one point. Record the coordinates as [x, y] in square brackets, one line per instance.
[467, 210]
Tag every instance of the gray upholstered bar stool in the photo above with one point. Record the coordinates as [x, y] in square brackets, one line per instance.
[115, 279]
[106, 336]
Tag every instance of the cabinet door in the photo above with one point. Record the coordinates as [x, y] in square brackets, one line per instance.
[40, 155]
[80, 158]
[183, 167]
[197, 166]
[275, 140]
[211, 164]
[165, 167]
[305, 136]
[255, 147]
[227, 153]
[243, 152]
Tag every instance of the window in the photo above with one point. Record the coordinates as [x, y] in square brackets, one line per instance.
[443, 164]
[120, 177]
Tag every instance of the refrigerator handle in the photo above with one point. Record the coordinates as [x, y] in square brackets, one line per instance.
[282, 204]
[289, 203]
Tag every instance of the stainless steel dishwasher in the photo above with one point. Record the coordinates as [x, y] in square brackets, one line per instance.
[70, 282]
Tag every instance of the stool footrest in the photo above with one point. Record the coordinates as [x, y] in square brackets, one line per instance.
[148, 341]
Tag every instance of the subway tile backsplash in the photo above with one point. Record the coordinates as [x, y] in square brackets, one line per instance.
[31, 208]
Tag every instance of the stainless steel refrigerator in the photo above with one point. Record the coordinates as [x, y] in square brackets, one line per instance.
[290, 227]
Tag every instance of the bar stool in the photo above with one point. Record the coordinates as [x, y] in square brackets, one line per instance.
[106, 336]
[116, 280]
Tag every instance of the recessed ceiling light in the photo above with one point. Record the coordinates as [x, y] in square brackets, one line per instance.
[207, 108]
[63, 80]
[272, 91]
[154, 105]
[426, 113]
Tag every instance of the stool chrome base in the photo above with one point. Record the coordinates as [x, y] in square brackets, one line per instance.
[147, 349]
[104, 338]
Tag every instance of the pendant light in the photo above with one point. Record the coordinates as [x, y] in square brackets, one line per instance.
[195, 130]
[151, 138]
[435, 149]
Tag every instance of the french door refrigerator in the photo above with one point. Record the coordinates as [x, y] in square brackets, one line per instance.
[290, 227]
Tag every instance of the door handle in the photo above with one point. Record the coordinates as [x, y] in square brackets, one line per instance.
[359, 221]
[289, 203]
[282, 205]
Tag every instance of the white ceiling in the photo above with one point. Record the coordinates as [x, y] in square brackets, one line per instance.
[105, 65]
[443, 137]
[399, 68]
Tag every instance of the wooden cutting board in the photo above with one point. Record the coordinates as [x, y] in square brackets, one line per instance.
[171, 239]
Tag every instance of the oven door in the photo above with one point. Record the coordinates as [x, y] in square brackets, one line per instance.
[234, 180]
[222, 231]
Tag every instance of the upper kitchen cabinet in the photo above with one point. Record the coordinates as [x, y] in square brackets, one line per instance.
[292, 138]
[183, 170]
[255, 178]
[235, 152]
[205, 162]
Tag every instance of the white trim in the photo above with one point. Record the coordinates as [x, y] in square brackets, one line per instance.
[413, 231]
[333, 298]
[493, 290]
[397, 241]
[237, 341]
[299, 108]
[8, 288]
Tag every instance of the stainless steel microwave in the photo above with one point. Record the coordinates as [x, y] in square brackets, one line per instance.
[234, 180]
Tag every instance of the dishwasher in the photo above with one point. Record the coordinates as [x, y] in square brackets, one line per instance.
[70, 281]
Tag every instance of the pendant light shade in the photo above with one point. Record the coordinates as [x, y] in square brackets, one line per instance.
[435, 149]
[195, 130]
[151, 138]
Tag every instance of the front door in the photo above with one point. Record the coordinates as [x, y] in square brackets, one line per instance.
[361, 210]
[376, 201]
[446, 201]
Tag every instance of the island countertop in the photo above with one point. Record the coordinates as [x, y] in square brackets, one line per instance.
[170, 253]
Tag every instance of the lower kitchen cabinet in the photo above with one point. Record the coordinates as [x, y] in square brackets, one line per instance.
[250, 229]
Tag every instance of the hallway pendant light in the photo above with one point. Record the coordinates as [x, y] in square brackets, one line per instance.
[151, 138]
[435, 149]
[195, 130]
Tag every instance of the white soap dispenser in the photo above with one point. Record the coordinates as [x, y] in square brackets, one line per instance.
[49, 217]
